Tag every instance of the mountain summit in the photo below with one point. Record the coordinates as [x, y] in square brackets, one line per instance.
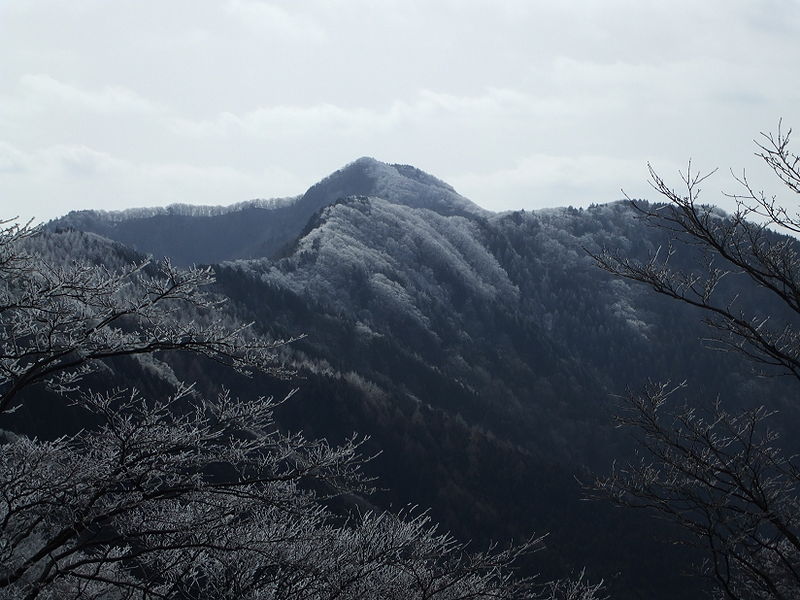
[398, 184]
[205, 234]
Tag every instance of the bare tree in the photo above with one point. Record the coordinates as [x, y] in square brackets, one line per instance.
[189, 496]
[740, 245]
[722, 476]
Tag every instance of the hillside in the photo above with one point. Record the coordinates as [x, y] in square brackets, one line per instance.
[481, 352]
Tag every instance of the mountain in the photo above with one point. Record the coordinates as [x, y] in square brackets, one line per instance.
[481, 352]
[212, 234]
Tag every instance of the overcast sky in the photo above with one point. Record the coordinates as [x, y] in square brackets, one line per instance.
[516, 103]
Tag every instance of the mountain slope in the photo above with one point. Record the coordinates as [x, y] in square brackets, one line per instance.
[482, 352]
[427, 284]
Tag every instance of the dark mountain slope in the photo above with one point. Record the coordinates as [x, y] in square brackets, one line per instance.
[192, 239]
[449, 447]
[426, 284]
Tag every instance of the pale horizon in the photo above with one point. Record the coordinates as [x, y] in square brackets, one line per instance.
[516, 104]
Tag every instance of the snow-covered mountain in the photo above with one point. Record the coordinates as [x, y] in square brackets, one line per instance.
[481, 351]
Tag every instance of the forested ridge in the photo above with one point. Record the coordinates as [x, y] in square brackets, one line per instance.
[482, 353]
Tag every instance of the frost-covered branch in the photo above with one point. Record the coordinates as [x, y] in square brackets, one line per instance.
[191, 499]
[59, 319]
[743, 244]
[722, 478]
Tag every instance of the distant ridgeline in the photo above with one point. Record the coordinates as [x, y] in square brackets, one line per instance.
[480, 351]
[181, 210]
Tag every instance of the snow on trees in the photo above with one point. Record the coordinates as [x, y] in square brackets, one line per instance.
[188, 495]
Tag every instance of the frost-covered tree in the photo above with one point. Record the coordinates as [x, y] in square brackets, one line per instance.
[720, 473]
[188, 496]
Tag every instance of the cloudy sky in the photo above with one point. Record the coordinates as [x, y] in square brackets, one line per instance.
[516, 103]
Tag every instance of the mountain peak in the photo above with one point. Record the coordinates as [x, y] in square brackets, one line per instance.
[367, 163]
[364, 161]
[396, 183]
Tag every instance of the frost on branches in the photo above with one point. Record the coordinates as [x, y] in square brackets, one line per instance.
[724, 476]
[187, 496]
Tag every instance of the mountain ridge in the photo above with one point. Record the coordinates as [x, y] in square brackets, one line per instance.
[261, 228]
